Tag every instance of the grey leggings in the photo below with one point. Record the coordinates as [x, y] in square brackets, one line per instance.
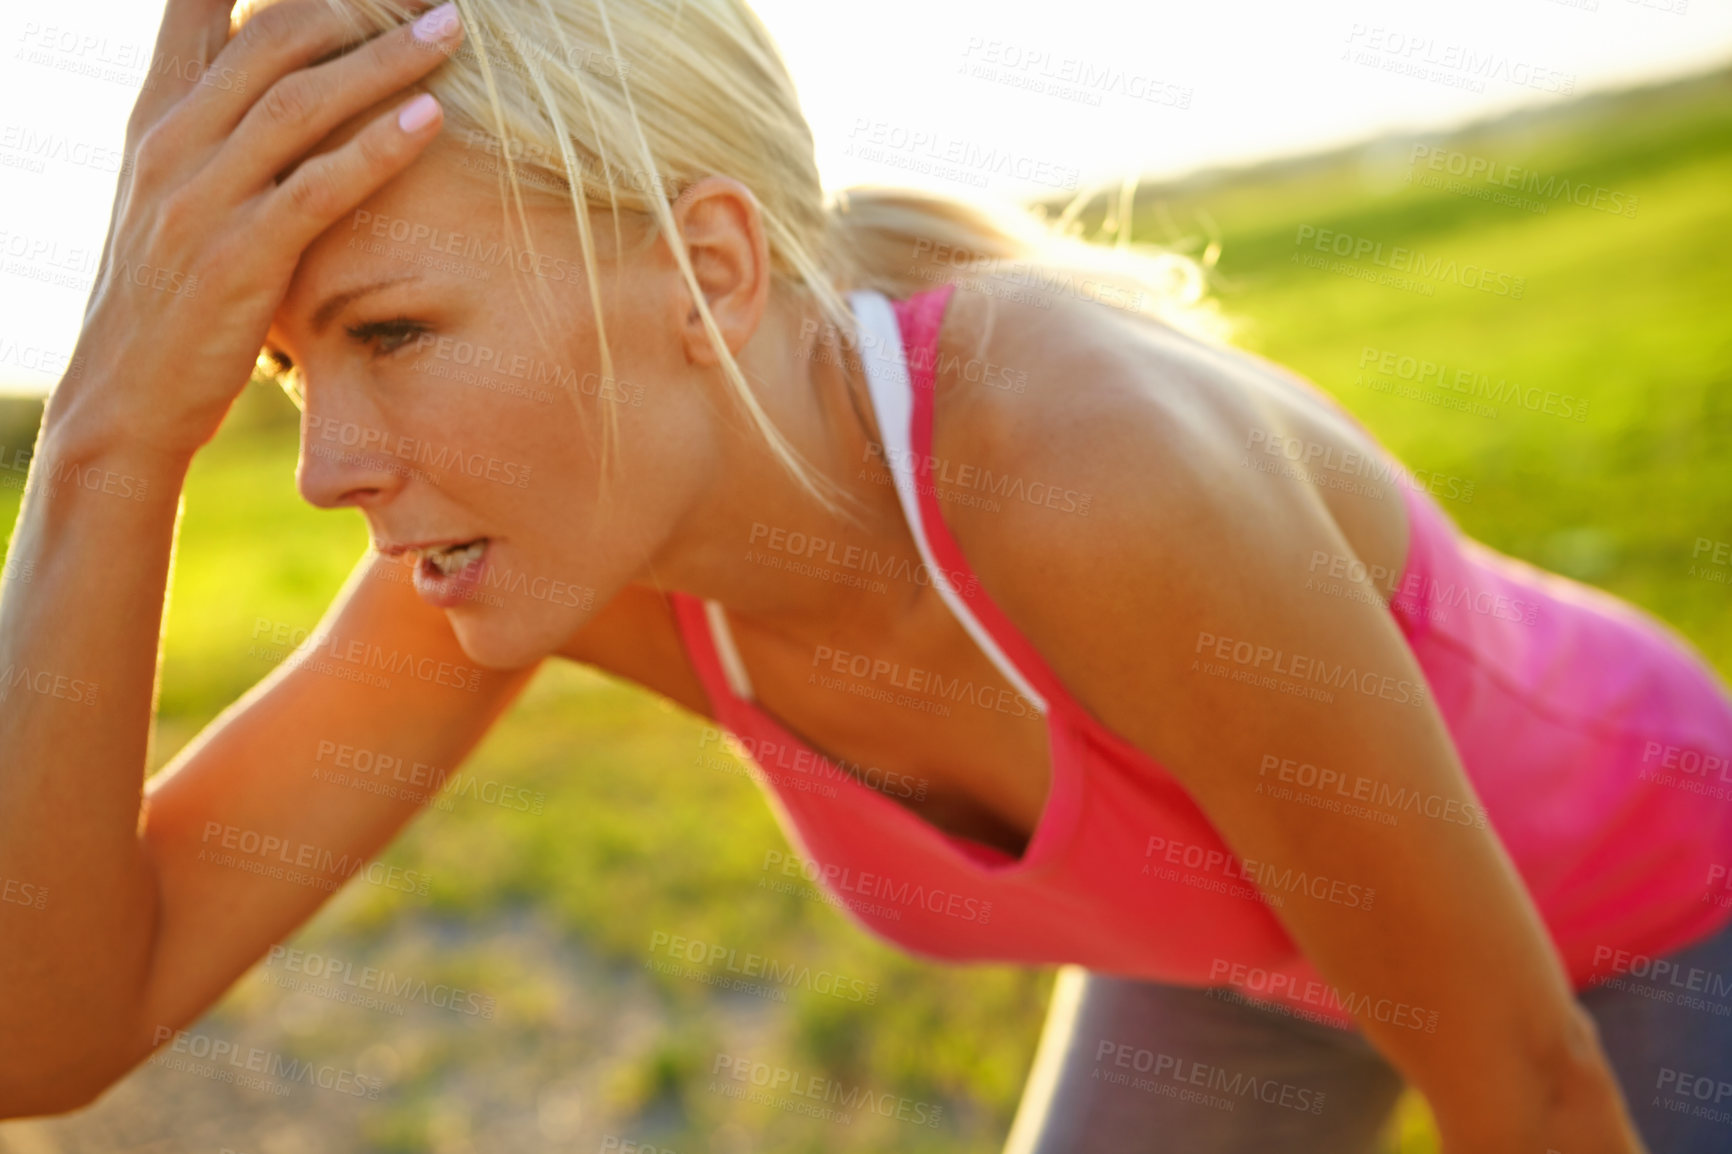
[1132, 1067]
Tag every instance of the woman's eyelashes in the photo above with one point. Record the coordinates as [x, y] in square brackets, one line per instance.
[386, 337]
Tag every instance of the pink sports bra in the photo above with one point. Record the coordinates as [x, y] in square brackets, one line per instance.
[1596, 739]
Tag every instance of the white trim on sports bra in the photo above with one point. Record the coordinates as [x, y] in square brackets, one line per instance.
[893, 400]
[722, 636]
[886, 363]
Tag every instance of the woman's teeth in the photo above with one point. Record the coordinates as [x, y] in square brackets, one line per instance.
[453, 558]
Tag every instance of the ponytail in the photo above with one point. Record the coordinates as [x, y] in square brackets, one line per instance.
[902, 241]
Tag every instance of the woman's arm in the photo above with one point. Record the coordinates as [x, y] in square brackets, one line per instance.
[150, 916]
[1179, 551]
[82, 633]
[130, 935]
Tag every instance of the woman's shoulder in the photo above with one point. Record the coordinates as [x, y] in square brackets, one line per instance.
[1052, 415]
[1120, 494]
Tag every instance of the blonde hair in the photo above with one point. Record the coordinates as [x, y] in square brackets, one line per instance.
[631, 101]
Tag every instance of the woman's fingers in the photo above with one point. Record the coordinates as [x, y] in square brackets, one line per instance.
[274, 42]
[302, 108]
[192, 34]
[321, 190]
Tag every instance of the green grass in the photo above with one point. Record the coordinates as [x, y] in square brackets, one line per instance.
[1629, 314]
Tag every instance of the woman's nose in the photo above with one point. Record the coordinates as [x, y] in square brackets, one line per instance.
[346, 460]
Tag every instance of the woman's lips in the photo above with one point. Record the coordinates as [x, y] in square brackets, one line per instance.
[450, 576]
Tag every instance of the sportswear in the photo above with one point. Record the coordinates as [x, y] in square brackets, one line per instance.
[1596, 739]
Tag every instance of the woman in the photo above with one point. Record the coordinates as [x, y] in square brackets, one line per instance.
[1206, 698]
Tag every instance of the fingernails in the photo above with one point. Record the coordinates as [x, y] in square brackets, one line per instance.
[437, 25]
[418, 113]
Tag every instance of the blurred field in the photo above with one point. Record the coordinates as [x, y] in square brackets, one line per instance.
[552, 915]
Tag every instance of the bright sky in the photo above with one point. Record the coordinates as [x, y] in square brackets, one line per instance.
[969, 97]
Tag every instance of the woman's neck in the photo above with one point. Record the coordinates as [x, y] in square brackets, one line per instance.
[758, 541]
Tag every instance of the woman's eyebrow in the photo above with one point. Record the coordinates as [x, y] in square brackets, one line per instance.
[335, 304]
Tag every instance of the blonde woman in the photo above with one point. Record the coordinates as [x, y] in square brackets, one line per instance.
[574, 328]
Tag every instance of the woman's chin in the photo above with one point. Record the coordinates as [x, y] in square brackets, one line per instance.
[493, 640]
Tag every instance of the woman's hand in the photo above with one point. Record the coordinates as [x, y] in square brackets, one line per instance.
[213, 212]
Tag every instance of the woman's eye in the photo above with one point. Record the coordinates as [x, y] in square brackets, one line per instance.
[385, 337]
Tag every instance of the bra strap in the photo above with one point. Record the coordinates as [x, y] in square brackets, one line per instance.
[888, 379]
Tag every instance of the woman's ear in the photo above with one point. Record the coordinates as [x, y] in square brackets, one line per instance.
[723, 229]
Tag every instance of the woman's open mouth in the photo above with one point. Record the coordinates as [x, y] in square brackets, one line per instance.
[451, 575]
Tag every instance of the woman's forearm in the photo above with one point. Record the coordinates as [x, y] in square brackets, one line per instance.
[1562, 1098]
[80, 619]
